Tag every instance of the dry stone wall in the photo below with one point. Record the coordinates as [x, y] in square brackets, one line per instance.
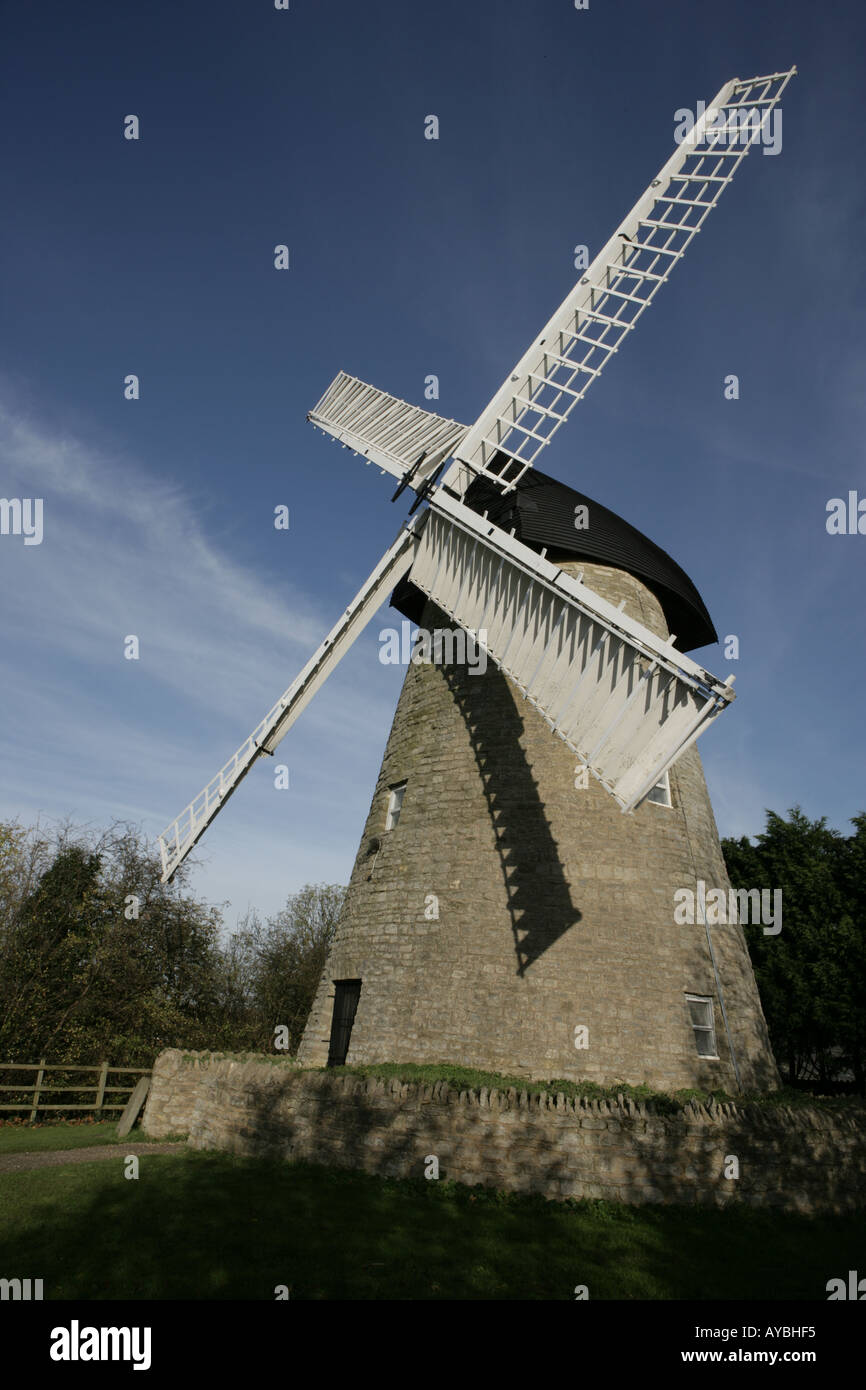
[178, 1083]
[803, 1160]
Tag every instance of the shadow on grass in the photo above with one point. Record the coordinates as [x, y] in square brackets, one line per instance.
[211, 1226]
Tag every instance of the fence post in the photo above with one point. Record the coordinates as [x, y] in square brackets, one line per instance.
[37, 1090]
[100, 1090]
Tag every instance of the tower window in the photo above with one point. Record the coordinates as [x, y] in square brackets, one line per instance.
[660, 794]
[395, 804]
[701, 1017]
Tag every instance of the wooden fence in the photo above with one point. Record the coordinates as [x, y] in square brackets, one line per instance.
[40, 1087]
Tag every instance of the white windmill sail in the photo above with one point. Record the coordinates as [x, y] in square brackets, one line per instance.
[606, 303]
[626, 702]
[185, 830]
[385, 430]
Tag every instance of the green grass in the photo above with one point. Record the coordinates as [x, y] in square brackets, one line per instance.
[75, 1134]
[26, 1138]
[212, 1226]
[470, 1079]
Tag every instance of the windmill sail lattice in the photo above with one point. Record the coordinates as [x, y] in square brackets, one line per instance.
[385, 430]
[185, 830]
[591, 323]
[626, 702]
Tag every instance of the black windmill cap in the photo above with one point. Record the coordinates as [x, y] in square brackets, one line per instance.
[541, 511]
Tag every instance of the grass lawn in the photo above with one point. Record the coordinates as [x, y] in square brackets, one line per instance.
[663, 1102]
[36, 1138]
[211, 1226]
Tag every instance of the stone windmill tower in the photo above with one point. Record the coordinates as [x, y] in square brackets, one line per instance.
[541, 799]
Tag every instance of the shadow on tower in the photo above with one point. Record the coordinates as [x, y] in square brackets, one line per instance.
[539, 897]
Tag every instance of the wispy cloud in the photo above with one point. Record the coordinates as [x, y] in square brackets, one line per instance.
[124, 552]
[87, 734]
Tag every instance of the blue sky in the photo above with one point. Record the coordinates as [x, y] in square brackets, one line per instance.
[408, 257]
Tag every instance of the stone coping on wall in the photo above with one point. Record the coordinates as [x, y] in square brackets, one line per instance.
[800, 1158]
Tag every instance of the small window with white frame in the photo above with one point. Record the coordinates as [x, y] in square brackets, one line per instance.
[395, 804]
[700, 1007]
[660, 794]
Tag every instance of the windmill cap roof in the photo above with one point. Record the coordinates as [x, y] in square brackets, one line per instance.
[542, 513]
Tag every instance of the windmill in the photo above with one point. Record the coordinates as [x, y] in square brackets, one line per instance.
[511, 903]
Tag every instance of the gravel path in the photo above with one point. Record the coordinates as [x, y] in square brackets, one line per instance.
[53, 1158]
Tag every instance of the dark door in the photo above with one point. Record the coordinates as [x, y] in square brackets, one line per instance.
[346, 999]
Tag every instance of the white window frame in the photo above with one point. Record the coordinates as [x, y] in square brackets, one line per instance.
[665, 783]
[704, 1028]
[396, 793]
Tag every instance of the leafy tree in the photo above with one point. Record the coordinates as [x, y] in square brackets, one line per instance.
[283, 959]
[812, 975]
[99, 959]
[852, 1003]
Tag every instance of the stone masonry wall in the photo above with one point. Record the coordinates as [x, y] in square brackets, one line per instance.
[177, 1086]
[804, 1160]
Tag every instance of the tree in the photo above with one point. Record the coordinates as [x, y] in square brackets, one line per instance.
[282, 960]
[812, 976]
[852, 1004]
[97, 957]
[100, 959]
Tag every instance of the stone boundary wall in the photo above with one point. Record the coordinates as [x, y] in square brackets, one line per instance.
[805, 1160]
[177, 1084]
